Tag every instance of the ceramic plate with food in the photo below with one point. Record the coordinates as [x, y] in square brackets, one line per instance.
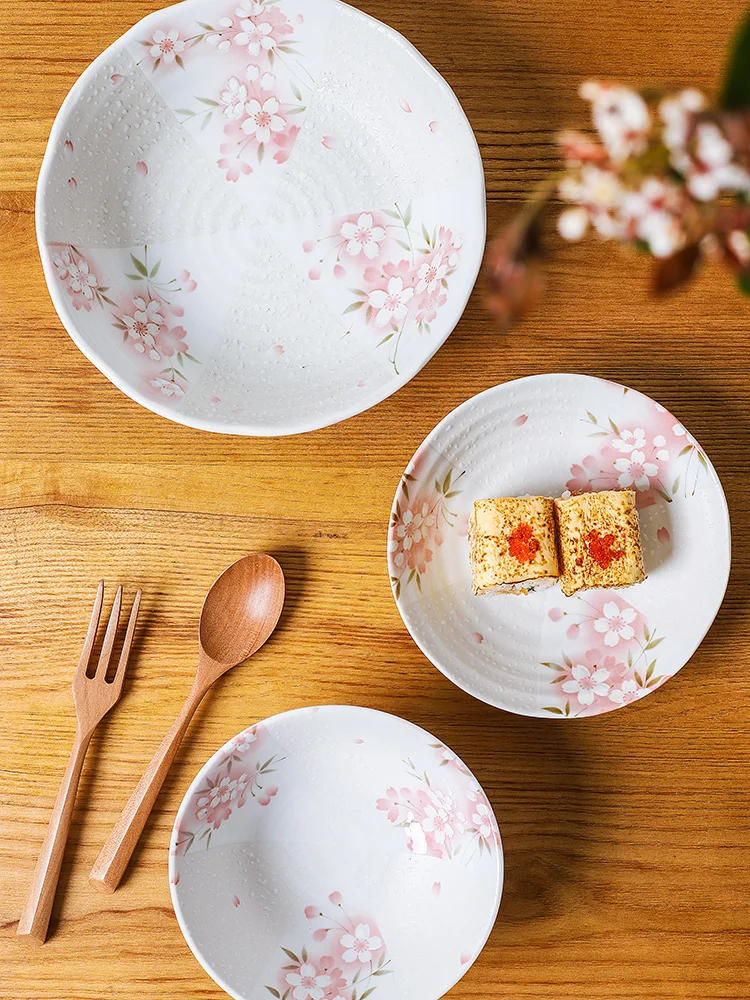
[260, 216]
[337, 853]
[545, 457]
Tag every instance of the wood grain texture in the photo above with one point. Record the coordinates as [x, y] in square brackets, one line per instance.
[627, 837]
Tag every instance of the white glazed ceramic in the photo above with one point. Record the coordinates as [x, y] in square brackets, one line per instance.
[545, 654]
[260, 217]
[335, 851]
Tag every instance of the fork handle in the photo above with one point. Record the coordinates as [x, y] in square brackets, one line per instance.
[36, 913]
[113, 858]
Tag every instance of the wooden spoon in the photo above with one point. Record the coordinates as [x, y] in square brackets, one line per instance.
[240, 612]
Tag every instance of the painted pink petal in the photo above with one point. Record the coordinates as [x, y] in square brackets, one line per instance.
[663, 535]
[477, 637]
[433, 126]
[320, 934]
[236, 900]
[572, 631]
[555, 614]
[520, 421]
[436, 887]
[311, 912]
[72, 182]
[339, 271]
[335, 898]
[141, 169]
[465, 958]
[314, 274]
[116, 79]
[329, 142]
[308, 246]
[405, 106]
[68, 147]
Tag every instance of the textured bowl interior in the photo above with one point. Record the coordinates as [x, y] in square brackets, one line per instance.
[544, 654]
[260, 218]
[340, 846]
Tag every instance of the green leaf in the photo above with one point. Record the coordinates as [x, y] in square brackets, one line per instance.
[655, 642]
[567, 708]
[367, 992]
[453, 493]
[208, 101]
[352, 308]
[204, 123]
[425, 234]
[638, 679]
[392, 214]
[368, 314]
[290, 954]
[155, 269]
[356, 976]
[650, 669]
[702, 459]
[384, 340]
[407, 215]
[273, 992]
[554, 710]
[156, 65]
[662, 494]
[675, 485]
[139, 266]
[304, 953]
[591, 416]
[261, 152]
[191, 358]
[297, 92]
[109, 301]
[419, 583]
[630, 657]
[646, 633]
[134, 277]
[614, 426]
[447, 480]
[404, 246]
[297, 111]
[184, 111]
[358, 291]
[180, 63]
[685, 450]
[735, 91]
[202, 24]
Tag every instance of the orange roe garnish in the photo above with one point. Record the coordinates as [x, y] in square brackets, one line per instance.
[601, 550]
[522, 544]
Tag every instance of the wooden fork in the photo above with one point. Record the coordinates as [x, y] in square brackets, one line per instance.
[93, 697]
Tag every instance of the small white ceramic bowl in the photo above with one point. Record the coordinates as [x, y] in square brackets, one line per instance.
[546, 654]
[330, 853]
[260, 216]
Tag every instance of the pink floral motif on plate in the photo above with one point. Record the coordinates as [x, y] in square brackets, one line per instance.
[344, 958]
[241, 775]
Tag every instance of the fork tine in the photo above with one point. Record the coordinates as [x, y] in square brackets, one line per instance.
[109, 636]
[127, 642]
[88, 642]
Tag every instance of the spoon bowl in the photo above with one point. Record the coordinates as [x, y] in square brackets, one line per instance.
[241, 610]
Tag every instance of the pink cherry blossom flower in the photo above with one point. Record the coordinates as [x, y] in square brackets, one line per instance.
[389, 804]
[635, 471]
[81, 279]
[257, 36]
[391, 302]
[627, 692]
[615, 624]
[585, 684]
[231, 163]
[234, 98]
[166, 45]
[307, 984]
[621, 118]
[360, 946]
[431, 274]
[483, 821]
[263, 119]
[630, 441]
[364, 237]
[171, 342]
[143, 326]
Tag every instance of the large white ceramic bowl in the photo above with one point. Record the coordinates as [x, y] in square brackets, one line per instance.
[260, 216]
[545, 654]
[334, 853]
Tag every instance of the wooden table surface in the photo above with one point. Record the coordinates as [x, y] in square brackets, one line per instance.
[627, 837]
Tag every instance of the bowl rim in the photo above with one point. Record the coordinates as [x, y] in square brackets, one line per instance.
[334, 416]
[448, 671]
[499, 876]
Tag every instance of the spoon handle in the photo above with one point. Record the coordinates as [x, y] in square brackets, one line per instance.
[113, 858]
